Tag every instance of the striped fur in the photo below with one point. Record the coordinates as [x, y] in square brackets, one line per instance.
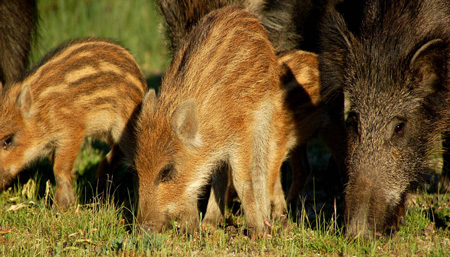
[220, 102]
[88, 87]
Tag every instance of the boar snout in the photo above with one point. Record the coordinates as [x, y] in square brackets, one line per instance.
[371, 208]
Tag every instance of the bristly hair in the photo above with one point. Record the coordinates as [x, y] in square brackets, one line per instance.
[52, 53]
[392, 28]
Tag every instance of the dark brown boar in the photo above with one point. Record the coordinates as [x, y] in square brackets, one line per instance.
[220, 102]
[18, 21]
[88, 87]
[395, 77]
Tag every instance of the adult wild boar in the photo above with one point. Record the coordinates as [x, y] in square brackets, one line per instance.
[395, 77]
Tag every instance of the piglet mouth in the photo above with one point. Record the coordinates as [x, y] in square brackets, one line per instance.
[5, 179]
[154, 227]
[150, 228]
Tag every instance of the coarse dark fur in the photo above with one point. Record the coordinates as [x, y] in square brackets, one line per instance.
[395, 76]
[18, 22]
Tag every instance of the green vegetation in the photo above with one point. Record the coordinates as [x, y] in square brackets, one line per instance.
[30, 226]
[134, 23]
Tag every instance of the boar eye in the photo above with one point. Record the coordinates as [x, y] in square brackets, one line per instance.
[6, 142]
[167, 173]
[399, 128]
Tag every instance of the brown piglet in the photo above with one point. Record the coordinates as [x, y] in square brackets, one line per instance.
[88, 87]
[220, 103]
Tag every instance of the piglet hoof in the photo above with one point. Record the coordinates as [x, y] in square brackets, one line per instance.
[260, 233]
[208, 227]
[282, 223]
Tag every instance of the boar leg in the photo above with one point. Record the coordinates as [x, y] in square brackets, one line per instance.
[301, 170]
[215, 211]
[65, 157]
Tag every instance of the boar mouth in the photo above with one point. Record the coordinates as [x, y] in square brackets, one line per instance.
[371, 222]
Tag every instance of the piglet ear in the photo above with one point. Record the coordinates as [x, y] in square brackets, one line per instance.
[185, 123]
[25, 100]
[149, 101]
[428, 67]
[299, 72]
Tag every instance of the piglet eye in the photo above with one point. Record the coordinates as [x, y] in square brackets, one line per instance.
[167, 173]
[6, 142]
[399, 128]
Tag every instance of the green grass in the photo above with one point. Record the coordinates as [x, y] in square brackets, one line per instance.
[30, 226]
[134, 23]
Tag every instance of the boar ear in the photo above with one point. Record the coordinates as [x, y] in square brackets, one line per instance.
[336, 38]
[25, 100]
[338, 47]
[428, 66]
[185, 122]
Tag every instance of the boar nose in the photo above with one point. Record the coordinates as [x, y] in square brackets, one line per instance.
[358, 228]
